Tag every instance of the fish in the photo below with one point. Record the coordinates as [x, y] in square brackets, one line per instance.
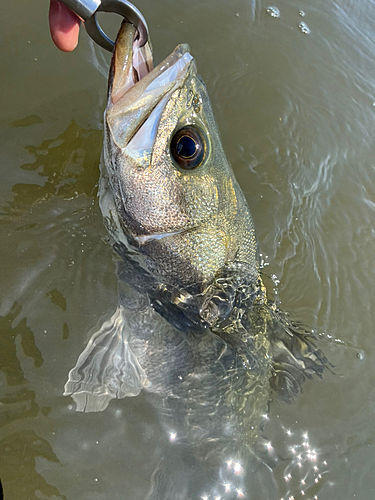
[195, 328]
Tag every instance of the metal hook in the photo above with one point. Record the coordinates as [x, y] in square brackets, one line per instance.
[87, 9]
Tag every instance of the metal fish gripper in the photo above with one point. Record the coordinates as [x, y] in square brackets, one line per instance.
[87, 10]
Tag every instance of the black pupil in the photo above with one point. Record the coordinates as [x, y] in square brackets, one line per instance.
[186, 147]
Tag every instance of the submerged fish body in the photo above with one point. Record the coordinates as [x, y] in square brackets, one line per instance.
[193, 327]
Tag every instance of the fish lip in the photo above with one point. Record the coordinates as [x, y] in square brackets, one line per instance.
[131, 64]
[130, 104]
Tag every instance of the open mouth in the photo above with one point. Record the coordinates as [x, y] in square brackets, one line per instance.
[132, 65]
[138, 92]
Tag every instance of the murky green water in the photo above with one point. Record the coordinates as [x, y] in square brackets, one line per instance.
[297, 116]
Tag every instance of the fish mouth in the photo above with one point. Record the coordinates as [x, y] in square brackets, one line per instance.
[136, 88]
[130, 63]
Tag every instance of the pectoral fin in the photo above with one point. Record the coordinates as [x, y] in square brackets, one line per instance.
[296, 357]
[107, 368]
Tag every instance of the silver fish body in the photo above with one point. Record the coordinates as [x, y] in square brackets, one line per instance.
[194, 327]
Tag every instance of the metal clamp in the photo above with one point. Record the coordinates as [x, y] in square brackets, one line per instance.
[87, 9]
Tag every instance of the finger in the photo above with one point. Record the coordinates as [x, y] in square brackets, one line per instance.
[64, 26]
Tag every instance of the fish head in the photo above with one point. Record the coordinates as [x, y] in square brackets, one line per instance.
[175, 195]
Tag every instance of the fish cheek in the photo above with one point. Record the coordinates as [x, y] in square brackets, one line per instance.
[194, 256]
[152, 200]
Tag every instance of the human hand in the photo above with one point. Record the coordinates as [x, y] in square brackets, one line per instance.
[64, 26]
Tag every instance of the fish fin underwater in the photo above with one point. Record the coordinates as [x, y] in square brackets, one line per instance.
[296, 356]
[107, 369]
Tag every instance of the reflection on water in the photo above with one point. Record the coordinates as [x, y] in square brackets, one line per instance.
[67, 165]
[19, 449]
[18, 459]
[297, 120]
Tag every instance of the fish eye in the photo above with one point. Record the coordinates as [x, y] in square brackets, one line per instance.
[188, 147]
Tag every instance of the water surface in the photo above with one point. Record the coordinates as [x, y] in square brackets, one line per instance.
[293, 89]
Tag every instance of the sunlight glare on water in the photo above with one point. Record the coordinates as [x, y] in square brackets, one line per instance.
[293, 89]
